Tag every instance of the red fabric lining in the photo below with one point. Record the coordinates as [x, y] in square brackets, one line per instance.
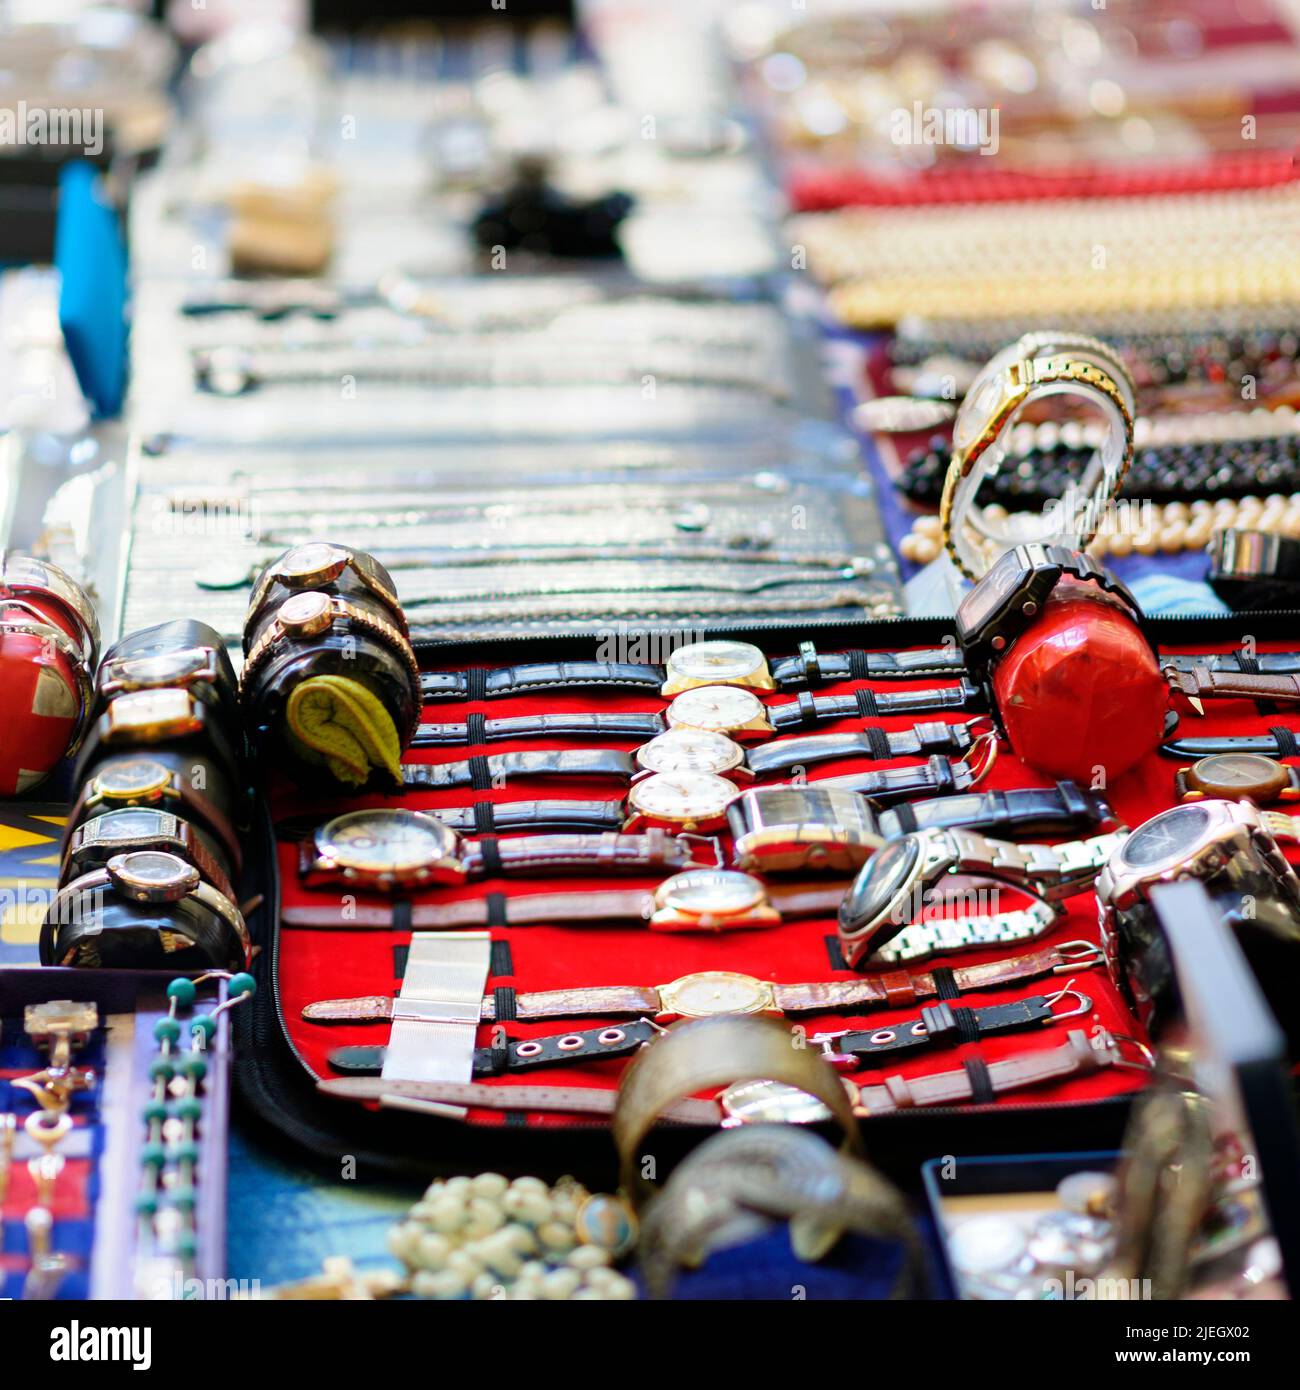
[317, 964]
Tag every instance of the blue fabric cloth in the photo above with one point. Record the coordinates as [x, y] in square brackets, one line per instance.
[90, 255]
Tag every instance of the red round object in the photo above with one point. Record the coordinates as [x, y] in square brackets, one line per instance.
[39, 709]
[1080, 693]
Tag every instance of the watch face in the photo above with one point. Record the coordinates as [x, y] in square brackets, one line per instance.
[164, 669]
[711, 892]
[1238, 772]
[717, 992]
[129, 823]
[153, 872]
[690, 750]
[1166, 838]
[883, 876]
[715, 708]
[807, 808]
[977, 409]
[306, 613]
[386, 842]
[990, 594]
[716, 661]
[155, 713]
[682, 797]
[304, 564]
[131, 777]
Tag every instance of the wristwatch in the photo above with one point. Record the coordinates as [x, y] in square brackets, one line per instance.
[316, 565]
[892, 897]
[1232, 848]
[706, 1053]
[178, 655]
[1030, 371]
[696, 900]
[24, 578]
[172, 715]
[766, 1100]
[1239, 777]
[892, 989]
[150, 877]
[693, 750]
[1005, 602]
[308, 613]
[738, 664]
[819, 825]
[692, 801]
[1254, 569]
[148, 781]
[740, 714]
[389, 849]
[94, 842]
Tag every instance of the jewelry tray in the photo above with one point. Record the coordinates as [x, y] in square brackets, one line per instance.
[281, 1056]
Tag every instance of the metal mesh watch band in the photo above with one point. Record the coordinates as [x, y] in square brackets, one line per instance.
[1052, 871]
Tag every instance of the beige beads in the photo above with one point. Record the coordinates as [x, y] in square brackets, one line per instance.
[487, 1238]
[1146, 528]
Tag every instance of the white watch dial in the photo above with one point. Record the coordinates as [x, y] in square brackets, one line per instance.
[716, 661]
[680, 797]
[690, 750]
[716, 708]
[711, 892]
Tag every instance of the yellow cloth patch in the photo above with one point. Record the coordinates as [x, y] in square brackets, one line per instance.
[339, 722]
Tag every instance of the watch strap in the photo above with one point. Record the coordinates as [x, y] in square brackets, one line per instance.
[893, 988]
[1202, 683]
[477, 728]
[811, 667]
[516, 1055]
[494, 910]
[939, 776]
[485, 684]
[980, 1082]
[1022, 810]
[488, 817]
[921, 940]
[435, 1016]
[569, 1100]
[701, 1054]
[873, 742]
[941, 1024]
[492, 769]
[1279, 742]
[609, 852]
[1272, 663]
[807, 710]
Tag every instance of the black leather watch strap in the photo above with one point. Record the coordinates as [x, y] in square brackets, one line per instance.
[522, 1054]
[875, 743]
[487, 817]
[480, 729]
[937, 776]
[1279, 742]
[811, 667]
[1057, 810]
[942, 1024]
[493, 769]
[487, 684]
[809, 710]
